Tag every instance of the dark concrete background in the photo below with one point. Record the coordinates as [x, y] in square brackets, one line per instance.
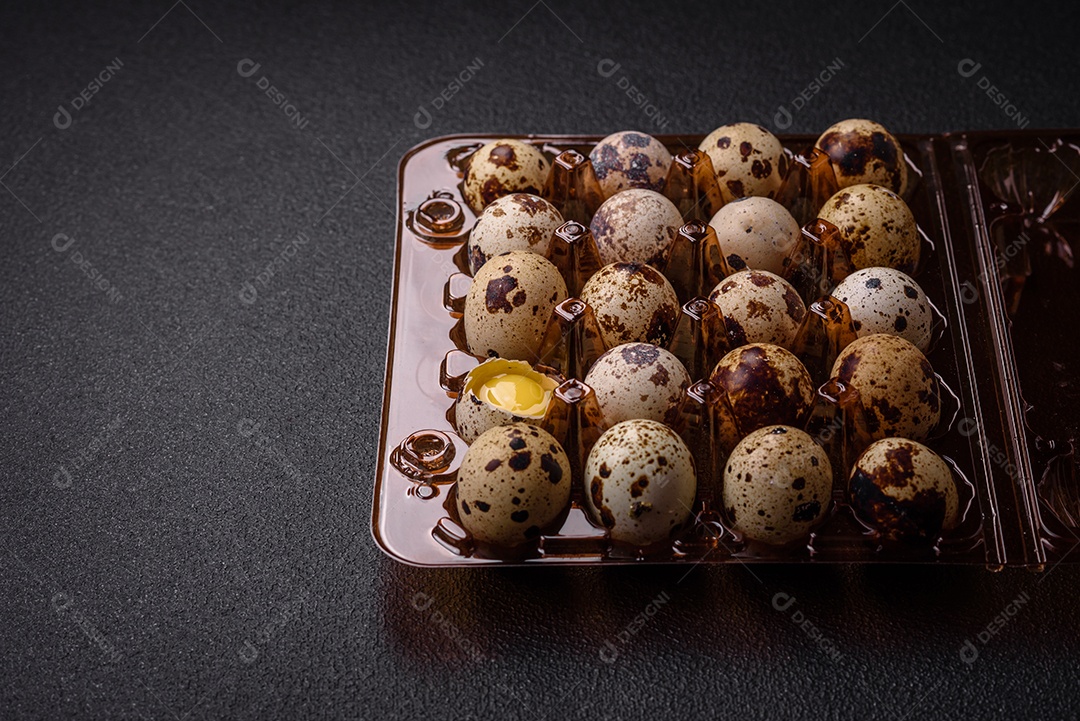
[187, 478]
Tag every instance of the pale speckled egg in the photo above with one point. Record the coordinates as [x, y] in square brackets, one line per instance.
[503, 167]
[756, 233]
[630, 160]
[884, 300]
[765, 385]
[513, 222]
[898, 390]
[632, 302]
[513, 482]
[876, 227]
[863, 151]
[638, 380]
[904, 490]
[483, 404]
[509, 304]
[777, 485]
[748, 160]
[635, 226]
[759, 307]
[641, 482]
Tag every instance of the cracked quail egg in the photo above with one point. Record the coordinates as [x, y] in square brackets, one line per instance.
[632, 303]
[499, 392]
[638, 380]
[765, 385]
[635, 226]
[756, 233]
[876, 227]
[630, 160]
[641, 482]
[863, 151]
[519, 221]
[884, 300]
[904, 490]
[898, 390]
[759, 307]
[777, 485]
[513, 482]
[509, 304]
[748, 160]
[501, 168]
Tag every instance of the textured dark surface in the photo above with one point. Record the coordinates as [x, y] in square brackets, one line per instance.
[191, 567]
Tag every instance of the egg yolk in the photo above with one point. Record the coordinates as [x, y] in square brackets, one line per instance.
[515, 393]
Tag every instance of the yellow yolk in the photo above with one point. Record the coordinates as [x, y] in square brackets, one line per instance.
[515, 393]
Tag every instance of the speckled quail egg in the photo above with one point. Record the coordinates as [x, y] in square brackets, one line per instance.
[759, 307]
[499, 392]
[513, 222]
[748, 160]
[884, 300]
[756, 233]
[513, 482]
[630, 160]
[863, 151]
[898, 390]
[635, 226]
[509, 304]
[765, 385]
[632, 303]
[638, 380]
[777, 485]
[503, 167]
[876, 227]
[904, 490]
[641, 482]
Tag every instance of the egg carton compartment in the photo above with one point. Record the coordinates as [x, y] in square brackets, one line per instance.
[415, 517]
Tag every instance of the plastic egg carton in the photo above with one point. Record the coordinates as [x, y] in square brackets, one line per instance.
[999, 236]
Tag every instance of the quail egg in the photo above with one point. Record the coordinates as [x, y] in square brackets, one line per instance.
[638, 380]
[904, 490]
[756, 233]
[748, 160]
[759, 307]
[632, 303]
[509, 304]
[513, 482]
[883, 300]
[630, 160]
[876, 227]
[501, 168]
[635, 226]
[898, 390]
[863, 151]
[513, 222]
[499, 392]
[641, 482]
[777, 485]
[765, 385]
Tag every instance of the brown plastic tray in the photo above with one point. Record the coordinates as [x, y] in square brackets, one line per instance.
[999, 272]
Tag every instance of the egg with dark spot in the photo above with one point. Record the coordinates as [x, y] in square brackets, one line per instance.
[513, 222]
[509, 304]
[905, 491]
[503, 167]
[640, 482]
[898, 391]
[630, 160]
[638, 380]
[885, 300]
[499, 392]
[513, 482]
[632, 303]
[777, 485]
[635, 226]
[756, 233]
[748, 160]
[863, 151]
[759, 307]
[877, 229]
